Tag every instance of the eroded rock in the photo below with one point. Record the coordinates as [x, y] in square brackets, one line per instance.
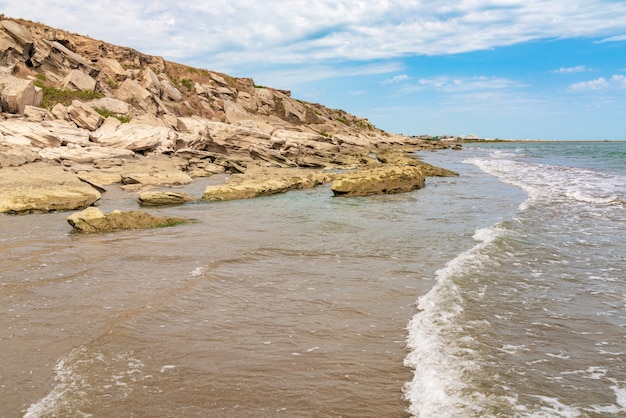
[93, 220]
[42, 187]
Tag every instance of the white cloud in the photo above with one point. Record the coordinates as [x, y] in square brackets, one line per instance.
[616, 82]
[568, 70]
[396, 79]
[618, 38]
[463, 84]
[276, 31]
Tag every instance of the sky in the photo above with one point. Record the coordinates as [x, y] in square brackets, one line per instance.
[510, 69]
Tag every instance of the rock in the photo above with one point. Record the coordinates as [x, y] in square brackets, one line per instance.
[137, 96]
[17, 93]
[263, 181]
[67, 132]
[169, 90]
[12, 155]
[78, 80]
[157, 170]
[109, 104]
[60, 112]
[42, 187]
[36, 114]
[16, 43]
[134, 137]
[382, 180]
[28, 133]
[93, 219]
[84, 116]
[156, 198]
[84, 154]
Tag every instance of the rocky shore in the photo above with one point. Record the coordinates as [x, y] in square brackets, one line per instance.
[80, 114]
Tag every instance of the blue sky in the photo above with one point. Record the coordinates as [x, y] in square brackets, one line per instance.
[520, 69]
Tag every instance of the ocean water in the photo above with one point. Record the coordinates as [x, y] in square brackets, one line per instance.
[531, 320]
[500, 292]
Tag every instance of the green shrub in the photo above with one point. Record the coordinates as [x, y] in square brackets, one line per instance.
[187, 83]
[52, 95]
[105, 113]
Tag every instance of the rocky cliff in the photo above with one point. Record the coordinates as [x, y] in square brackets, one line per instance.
[110, 114]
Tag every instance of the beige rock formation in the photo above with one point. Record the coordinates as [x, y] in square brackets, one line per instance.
[164, 198]
[93, 220]
[382, 180]
[184, 122]
[17, 93]
[264, 181]
[42, 187]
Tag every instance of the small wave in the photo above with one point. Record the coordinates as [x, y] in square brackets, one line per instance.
[440, 352]
[554, 183]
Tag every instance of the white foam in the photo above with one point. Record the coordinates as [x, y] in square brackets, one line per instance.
[439, 353]
[554, 183]
[66, 380]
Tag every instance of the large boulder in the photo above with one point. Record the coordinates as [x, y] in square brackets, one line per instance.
[42, 187]
[152, 171]
[17, 93]
[78, 80]
[84, 116]
[93, 219]
[16, 43]
[135, 137]
[383, 180]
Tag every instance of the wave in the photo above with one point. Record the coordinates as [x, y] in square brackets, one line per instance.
[549, 184]
[441, 353]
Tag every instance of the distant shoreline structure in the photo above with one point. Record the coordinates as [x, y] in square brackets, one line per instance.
[474, 138]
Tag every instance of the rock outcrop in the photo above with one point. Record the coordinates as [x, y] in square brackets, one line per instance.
[43, 187]
[93, 219]
[110, 114]
[161, 198]
[382, 180]
[259, 181]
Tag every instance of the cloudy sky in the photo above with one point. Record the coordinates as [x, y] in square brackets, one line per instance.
[541, 69]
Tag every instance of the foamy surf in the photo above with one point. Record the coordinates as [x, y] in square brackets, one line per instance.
[441, 353]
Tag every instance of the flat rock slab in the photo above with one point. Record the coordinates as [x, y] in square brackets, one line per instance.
[93, 219]
[382, 180]
[265, 181]
[157, 198]
[43, 187]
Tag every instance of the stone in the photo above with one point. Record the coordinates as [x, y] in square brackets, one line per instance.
[12, 155]
[78, 80]
[84, 154]
[16, 43]
[36, 114]
[84, 116]
[383, 180]
[67, 132]
[16, 93]
[137, 96]
[60, 112]
[29, 133]
[157, 198]
[263, 181]
[134, 137]
[115, 106]
[42, 187]
[169, 91]
[152, 171]
[93, 220]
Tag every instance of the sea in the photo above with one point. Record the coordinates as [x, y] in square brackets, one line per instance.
[497, 293]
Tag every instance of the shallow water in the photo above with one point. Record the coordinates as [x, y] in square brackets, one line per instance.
[292, 305]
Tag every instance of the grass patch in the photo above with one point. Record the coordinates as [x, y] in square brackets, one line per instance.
[52, 95]
[105, 113]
